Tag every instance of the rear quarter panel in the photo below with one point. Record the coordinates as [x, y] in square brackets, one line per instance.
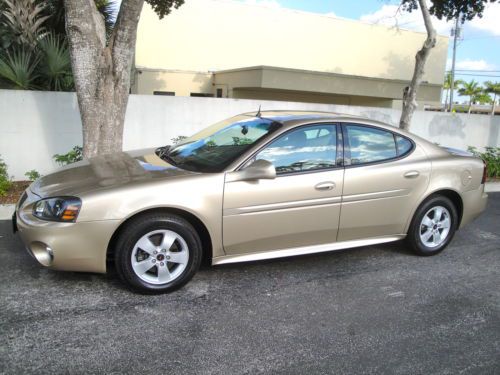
[461, 174]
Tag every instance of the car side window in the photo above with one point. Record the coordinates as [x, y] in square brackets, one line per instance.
[368, 145]
[304, 149]
[404, 145]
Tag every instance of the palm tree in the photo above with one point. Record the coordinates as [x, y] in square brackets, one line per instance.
[493, 88]
[34, 53]
[24, 20]
[472, 90]
[447, 88]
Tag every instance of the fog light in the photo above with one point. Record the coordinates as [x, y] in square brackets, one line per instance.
[42, 253]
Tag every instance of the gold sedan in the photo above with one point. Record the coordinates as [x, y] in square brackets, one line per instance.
[255, 186]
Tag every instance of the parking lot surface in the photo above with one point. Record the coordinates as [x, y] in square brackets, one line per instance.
[375, 310]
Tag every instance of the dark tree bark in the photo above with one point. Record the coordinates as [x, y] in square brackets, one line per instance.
[101, 70]
[410, 94]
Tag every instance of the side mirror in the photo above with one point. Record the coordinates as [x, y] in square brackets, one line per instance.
[258, 170]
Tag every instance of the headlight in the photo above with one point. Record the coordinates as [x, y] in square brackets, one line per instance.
[64, 209]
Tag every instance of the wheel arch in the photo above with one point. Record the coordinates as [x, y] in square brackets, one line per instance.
[197, 223]
[453, 195]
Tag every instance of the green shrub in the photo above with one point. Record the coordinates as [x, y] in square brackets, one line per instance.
[76, 154]
[491, 156]
[32, 175]
[5, 182]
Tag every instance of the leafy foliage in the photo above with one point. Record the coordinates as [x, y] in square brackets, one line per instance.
[451, 9]
[74, 155]
[18, 69]
[164, 7]
[56, 64]
[24, 19]
[34, 53]
[33, 175]
[483, 98]
[492, 88]
[491, 156]
[472, 90]
[5, 182]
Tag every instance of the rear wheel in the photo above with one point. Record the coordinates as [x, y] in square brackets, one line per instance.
[433, 226]
[157, 253]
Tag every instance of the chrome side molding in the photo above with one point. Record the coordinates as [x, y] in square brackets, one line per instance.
[304, 250]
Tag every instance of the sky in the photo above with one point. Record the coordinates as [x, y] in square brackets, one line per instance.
[478, 51]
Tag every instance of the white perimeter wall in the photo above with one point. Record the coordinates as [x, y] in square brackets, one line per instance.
[36, 125]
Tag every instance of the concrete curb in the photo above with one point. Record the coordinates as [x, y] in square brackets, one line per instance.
[6, 210]
[492, 187]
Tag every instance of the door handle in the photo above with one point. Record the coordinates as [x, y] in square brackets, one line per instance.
[412, 174]
[328, 185]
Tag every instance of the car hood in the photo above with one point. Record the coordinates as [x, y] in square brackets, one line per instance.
[105, 172]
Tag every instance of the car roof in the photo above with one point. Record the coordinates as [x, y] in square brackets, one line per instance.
[291, 117]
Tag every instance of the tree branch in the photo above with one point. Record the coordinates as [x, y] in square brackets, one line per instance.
[122, 41]
[87, 37]
[410, 94]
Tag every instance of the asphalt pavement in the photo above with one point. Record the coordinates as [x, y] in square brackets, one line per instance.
[372, 310]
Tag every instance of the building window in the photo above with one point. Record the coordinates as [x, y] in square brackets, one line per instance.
[201, 95]
[165, 93]
[219, 93]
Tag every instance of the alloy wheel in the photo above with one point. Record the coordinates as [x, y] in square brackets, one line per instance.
[160, 256]
[435, 226]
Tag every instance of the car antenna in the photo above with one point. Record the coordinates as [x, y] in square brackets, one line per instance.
[259, 115]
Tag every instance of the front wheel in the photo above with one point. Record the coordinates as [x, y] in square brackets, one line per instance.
[433, 226]
[157, 253]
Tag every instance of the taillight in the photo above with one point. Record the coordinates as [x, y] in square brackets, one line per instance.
[483, 180]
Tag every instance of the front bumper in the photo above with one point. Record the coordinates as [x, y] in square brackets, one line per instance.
[80, 246]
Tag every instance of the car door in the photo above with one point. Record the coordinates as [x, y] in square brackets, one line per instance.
[385, 174]
[300, 207]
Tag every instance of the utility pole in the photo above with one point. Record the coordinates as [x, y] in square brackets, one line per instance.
[456, 34]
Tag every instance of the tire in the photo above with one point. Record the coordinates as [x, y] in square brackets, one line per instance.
[167, 243]
[428, 234]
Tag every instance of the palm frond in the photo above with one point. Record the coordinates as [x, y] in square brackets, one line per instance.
[25, 20]
[55, 64]
[18, 69]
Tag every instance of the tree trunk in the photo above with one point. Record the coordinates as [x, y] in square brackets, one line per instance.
[493, 105]
[101, 71]
[410, 93]
[470, 104]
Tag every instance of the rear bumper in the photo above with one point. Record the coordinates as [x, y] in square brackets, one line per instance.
[80, 247]
[474, 203]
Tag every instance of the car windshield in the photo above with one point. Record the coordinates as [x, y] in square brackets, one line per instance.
[217, 146]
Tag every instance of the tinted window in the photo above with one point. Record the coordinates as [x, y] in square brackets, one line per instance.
[369, 145]
[404, 145]
[304, 149]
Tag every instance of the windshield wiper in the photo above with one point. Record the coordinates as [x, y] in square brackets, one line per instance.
[163, 153]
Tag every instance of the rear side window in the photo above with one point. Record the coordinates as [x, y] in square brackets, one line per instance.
[404, 145]
[368, 145]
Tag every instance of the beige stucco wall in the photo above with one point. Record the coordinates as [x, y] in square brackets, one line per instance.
[183, 83]
[210, 35]
[298, 96]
